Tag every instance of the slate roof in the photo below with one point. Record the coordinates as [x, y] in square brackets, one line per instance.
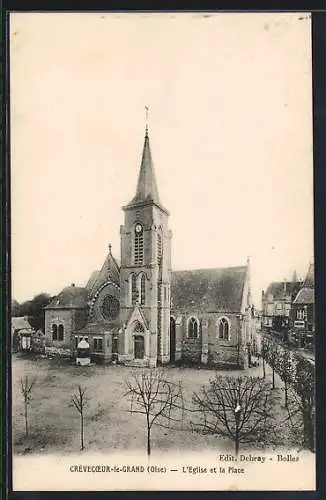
[218, 289]
[146, 185]
[280, 289]
[73, 297]
[92, 280]
[110, 271]
[305, 296]
[100, 327]
[20, 323]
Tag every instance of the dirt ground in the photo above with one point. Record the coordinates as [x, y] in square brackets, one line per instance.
[109, 426]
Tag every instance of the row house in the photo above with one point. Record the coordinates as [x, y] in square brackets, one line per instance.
[303, 311]
[277, 302]
[288, 307]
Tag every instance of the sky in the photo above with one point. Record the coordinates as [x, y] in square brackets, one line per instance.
[230, 124]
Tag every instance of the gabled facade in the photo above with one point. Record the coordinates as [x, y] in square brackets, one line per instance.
[22, 333]
[277, 303]
[303, 309]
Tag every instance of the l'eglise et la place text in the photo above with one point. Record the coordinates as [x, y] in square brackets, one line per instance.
[257, 458]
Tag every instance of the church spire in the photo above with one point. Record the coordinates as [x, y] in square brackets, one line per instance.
[146, 191]
[146, 186]
[294, 276]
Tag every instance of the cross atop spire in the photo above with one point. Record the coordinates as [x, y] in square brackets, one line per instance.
[146, 130]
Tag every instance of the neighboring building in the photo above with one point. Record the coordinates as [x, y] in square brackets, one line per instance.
[63, 315]
[303, 310]
[141, 312]
[277, 303]
[22, 333]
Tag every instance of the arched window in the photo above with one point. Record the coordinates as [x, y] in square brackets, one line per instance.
[223, 329]
[54, 332]
[193, 328]
[159, 247]
[134, 291]
[142, 289]
[139, 245]
[61, 332]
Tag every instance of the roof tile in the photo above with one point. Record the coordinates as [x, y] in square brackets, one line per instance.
[70, 297]
[305, 296]
[219, 289]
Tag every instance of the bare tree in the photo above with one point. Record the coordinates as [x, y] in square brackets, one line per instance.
[26, 389]
[301, 405]
[272, 357]
[239, 345]
[285, 367]
[264, 352]
[158, 399]
[236, 408]
[80, 401]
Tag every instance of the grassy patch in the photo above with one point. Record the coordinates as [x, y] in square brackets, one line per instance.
[54, 422]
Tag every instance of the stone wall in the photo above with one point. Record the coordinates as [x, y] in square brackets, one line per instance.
[191, 350]
[225, 355]
[71, 319]
[57, 351]
[65, 317]
[208, 348]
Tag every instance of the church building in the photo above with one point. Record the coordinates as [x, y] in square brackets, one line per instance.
[140, 312]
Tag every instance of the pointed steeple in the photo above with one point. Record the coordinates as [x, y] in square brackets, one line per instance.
[146, 186]
[249, 297]
[309, 281]
[146, 191]
[294, 276]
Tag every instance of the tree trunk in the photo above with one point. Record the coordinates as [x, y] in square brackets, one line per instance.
[81, 431]
[26, 421]
[148, 441]
[285, 393]
[308, 429]
[264, 368]
[249, 356]
[236, 443]
[273, 371]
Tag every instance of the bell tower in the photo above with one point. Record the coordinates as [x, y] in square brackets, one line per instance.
[145, 273]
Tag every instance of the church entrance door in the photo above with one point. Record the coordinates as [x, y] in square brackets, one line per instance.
[172, 339]
[139, 347]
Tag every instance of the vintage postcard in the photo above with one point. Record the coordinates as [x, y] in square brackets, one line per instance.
[163, 325]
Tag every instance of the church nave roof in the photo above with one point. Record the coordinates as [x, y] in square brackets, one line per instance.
[217, 289]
